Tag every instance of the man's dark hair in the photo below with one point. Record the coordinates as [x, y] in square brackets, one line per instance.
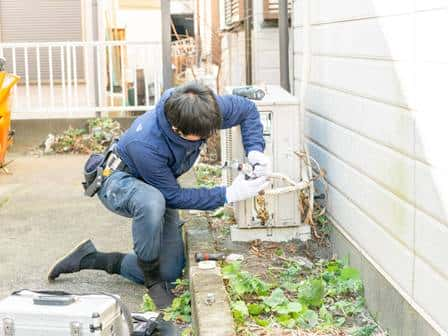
[192, 109]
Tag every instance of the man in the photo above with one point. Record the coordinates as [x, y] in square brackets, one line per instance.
[160, 146]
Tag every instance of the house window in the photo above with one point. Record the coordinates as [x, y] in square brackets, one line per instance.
[233, 12]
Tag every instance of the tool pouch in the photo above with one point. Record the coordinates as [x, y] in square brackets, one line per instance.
[153, 327]
[93, 174]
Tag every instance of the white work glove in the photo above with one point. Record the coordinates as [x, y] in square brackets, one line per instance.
[242, 189]
[261, 163]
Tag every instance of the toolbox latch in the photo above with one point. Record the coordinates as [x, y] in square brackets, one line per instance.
[8, 326]
[75, 328]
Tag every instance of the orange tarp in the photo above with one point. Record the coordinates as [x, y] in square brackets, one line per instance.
[7, 82]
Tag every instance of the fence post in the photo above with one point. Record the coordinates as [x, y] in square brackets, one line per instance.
[166, 44]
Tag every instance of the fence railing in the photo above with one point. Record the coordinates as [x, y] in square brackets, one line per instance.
[83, 79]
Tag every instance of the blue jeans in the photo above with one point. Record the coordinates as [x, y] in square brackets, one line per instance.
[156, 230]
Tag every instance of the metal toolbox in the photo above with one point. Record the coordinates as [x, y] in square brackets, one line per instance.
[28, 313]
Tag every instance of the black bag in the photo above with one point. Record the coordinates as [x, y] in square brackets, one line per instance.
[93, 174]
[156, 327]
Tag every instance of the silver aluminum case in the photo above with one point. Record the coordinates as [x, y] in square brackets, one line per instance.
[19, 316]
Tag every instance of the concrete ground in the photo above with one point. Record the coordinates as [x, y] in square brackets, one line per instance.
[44, 214]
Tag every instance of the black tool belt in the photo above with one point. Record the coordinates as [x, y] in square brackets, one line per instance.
[100, 166]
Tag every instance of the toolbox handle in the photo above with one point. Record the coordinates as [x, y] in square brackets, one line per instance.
[52, 300]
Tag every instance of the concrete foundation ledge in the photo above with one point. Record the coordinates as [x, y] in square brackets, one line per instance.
[209, 301]
[210, 304]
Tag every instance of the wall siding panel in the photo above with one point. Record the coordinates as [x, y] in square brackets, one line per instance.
[381, 247]
[376, 121]
[392, 213]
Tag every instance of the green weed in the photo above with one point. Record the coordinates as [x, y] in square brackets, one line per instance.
[325, 297]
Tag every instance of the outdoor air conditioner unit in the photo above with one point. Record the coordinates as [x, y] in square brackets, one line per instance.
[279, 112]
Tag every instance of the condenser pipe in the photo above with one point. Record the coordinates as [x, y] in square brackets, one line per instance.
[283, 29]
[305, 70]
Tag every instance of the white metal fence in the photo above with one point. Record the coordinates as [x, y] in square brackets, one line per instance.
[83, 79]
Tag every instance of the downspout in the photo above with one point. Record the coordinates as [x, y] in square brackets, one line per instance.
[283, 29]
[306, 59]
[248, 39]
[305, 162]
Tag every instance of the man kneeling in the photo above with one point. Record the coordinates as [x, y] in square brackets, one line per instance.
[160, 146]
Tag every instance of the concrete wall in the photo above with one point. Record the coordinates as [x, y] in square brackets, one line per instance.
[375, 120]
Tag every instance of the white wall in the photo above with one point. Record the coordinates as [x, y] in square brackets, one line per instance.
[205, 15]
[376, 121]
[265, 52]
[233, 59]
[141, 24]
[265, 49]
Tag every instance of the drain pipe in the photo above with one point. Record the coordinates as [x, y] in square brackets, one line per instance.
[305, 71]
[248, 40]
[283, 30]
[305, 162]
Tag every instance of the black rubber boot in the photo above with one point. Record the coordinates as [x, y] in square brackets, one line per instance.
[158, 290]
[85, 256]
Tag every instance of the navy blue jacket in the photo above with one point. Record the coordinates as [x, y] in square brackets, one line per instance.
[157, 155]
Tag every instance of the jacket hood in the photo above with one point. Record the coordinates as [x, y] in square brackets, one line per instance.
[165, 125]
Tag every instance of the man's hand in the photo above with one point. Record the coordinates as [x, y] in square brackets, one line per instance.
[242, 189]
[262, 164]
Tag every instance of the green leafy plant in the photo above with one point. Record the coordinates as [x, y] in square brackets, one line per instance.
[95, 138]
[367, 330]
[241, 282]
[311, 292]
[308, 320]
[180, 309]
[239, 311]
[277, 298]
[256, 309]
[324, 296]
[148, 304]
[187, 332]
[207, 175]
